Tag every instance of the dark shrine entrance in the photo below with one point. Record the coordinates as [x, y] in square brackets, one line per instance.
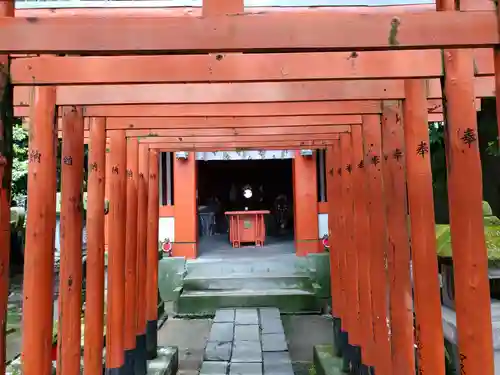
[245, 185]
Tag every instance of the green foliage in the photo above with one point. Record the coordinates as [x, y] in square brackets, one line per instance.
[438, 156]
[19, 160]
[493, 148]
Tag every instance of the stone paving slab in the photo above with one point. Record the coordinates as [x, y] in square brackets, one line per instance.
[245, 369]
[218, 351]
[269, 313]
[247, 342]
[214, 368]
[272, 325]
[278, 368]
[274, 342]
[224, 316]
[247, 333]
[246, 351]
[221, 332]
[246, 316]
[277, 363]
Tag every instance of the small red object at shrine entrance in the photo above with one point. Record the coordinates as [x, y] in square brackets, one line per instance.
[247, 227]
[166, 247]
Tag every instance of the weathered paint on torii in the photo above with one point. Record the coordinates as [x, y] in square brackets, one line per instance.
[475, 349]
[219, 67]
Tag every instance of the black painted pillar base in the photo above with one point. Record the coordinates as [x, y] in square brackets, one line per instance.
[128, 367]
[337, 349]
[345, 351]
[364, 370]
[151, 339]
[115, 371]
[371, 370]
[356, 359]
[141, 362]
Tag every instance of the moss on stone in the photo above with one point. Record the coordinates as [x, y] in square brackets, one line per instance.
[491, 232]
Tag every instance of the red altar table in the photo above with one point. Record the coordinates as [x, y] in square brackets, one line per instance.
[247, 227]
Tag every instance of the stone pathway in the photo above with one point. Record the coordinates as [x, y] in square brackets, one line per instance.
[247, 342]
[190, 336]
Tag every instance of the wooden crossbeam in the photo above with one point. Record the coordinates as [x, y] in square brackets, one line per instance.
[197, 11]
[231, 146]
[231, 123]
[230, 109]
[97, 70]
[207, 140]
[260, 125]
[325, 108]
[226, 146]
[217, 132]
[321, 31]
[256, 92]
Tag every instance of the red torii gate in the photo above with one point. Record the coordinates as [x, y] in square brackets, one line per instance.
[460, 110]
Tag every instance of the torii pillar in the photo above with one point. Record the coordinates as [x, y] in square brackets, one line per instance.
[6, 114]
[185, 182]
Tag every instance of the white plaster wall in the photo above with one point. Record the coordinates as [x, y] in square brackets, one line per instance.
[322, 225]
[166, 228]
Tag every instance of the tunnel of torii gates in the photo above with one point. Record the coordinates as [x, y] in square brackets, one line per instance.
[368, 108]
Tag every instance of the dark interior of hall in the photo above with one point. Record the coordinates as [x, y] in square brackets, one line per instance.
[222, 185]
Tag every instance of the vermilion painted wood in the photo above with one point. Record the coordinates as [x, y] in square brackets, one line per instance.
[350, 254]
[323, 108]
[152, 238]
[6, 9]
[241, 145]
[95, 70]
[201, 123]
[226, 67]
[131, 300]
[116, 253]
[249, 92]
[427, 299]
[70, 274]
[471, 282]
[332, 231]
[337, 246]
[398, 250]
[240, 132]
[361, 233]
[466, 218]
[94, 303]
[206, 140]
[197, 11]
[142, 222]
[378, 240]
[319, 31]
[38, 287]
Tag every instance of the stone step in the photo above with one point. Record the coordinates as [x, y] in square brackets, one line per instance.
[254, 281]
[166, 363]
[325, 363]
[280, 265]
[199, 303]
